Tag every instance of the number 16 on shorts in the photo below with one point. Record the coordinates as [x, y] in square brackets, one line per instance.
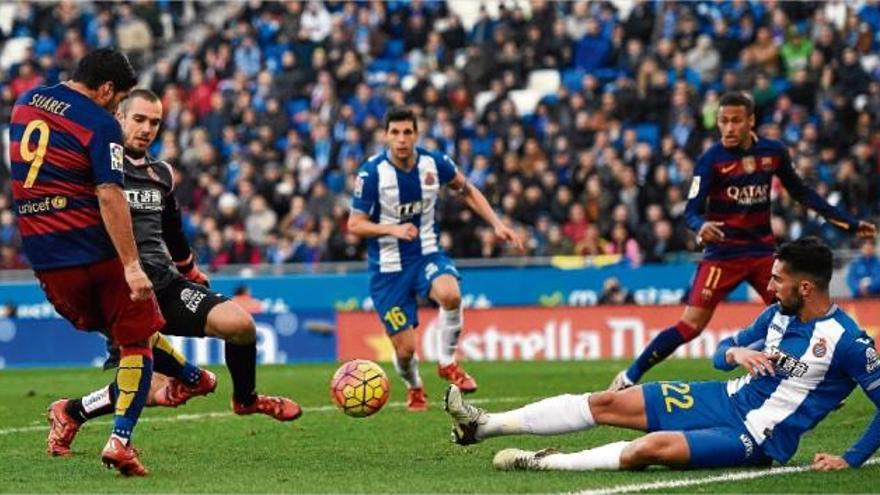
[396, 318]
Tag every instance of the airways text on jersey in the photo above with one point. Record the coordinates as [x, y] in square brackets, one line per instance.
[144, 199]
[407, 211]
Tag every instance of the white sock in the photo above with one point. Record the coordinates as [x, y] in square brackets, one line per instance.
[606, 457]
[409, 371]
[560, 414]
[450, 329]
[121, 439]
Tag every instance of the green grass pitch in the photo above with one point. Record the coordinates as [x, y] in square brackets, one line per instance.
[191, 450]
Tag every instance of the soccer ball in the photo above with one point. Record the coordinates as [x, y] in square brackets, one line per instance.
[360, 388]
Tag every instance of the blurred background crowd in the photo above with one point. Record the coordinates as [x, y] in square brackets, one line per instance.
[581, 122]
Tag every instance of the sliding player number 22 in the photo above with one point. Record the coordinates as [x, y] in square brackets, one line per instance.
[676, 395]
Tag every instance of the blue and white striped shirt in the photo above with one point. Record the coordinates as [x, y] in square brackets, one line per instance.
[390, 195]
[821, 362]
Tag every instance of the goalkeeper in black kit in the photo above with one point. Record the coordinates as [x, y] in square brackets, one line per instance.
[190, 308]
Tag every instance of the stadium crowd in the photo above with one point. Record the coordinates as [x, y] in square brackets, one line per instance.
[267, 119]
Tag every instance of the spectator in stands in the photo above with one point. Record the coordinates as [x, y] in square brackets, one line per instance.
[238, 250]
[863, 274]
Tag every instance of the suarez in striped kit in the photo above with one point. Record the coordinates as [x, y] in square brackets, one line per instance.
[67, 172]
[394, 206]
[729, 209]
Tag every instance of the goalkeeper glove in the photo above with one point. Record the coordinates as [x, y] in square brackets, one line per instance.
[191, 272]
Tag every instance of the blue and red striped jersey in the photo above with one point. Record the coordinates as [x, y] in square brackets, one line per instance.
[62, 145]
[733, 186]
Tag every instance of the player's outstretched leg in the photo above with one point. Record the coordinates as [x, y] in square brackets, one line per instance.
[663, 448]
[606, 457]
[406, 362]
[446, 292]
[560, 414]
[132, 387]
[663, 345]
[231, 323]
[187, 380]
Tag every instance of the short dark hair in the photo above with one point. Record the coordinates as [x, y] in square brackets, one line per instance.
[105, 65]
[738, 99]
[808, 256]
[398, 114]
[142, 93]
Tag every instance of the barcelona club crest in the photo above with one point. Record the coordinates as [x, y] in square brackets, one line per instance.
[820, 348]
[748, 164]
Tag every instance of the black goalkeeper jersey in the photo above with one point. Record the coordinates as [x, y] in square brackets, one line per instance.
[155, 215]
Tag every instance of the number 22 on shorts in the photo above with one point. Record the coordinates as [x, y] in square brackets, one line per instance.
[395, 317]
[676, 394]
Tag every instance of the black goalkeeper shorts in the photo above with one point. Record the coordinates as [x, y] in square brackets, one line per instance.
[185, 306]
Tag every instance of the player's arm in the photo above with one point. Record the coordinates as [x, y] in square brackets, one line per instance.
[359, 223]
[178, 246]
[862, 364]
[707, 232]
[744, 348]
[106, 157]
[809, 198]
[364, 200]
[449, 174]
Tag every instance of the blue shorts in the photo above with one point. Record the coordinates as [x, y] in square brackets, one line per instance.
[715, 434]
[394, 294]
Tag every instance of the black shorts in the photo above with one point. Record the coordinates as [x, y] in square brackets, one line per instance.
[185, 306]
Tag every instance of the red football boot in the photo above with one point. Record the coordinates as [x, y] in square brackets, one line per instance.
[62, 429]
[117, 455]
[280, 408]
[416, 400]
[176, 392]
[457, 376]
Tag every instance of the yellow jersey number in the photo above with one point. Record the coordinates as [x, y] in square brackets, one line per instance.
[37, 155]
[396, 318]
[676, 395]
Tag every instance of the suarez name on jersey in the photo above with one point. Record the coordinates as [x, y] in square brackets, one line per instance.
[733, 186]
[390, 195]
[62, 146]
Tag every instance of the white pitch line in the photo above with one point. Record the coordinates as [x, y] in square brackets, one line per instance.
[226, 414]
[686, 482]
